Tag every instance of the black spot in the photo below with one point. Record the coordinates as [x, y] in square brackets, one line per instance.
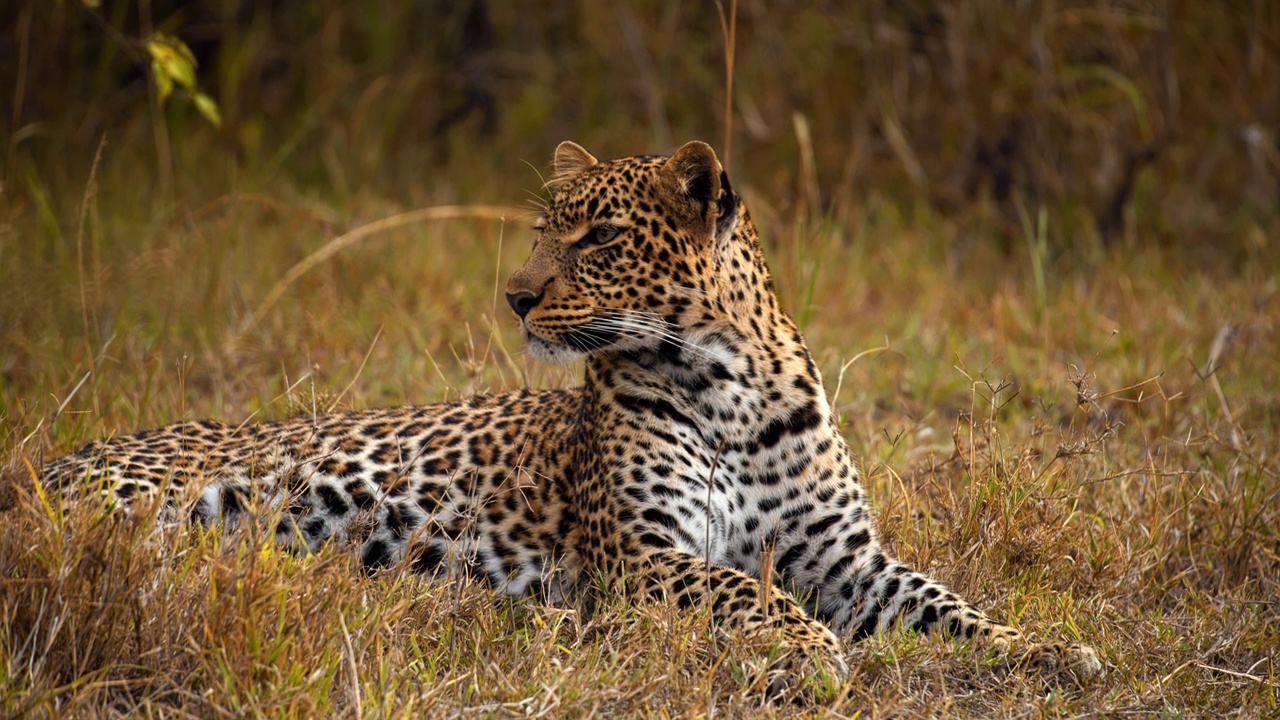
[654, 540]
[666, 492]
[232, 500]
[659, 408]
[659, 517]
[728, 202]
[928, 617]
[436, 466]
[877, 564]
[798, 510]
[891, 587]
[908, 606]
[360, 494]
[838, 567]
[856, 540]
[872, 573]
[803, 386]
[428, 560]
[768, 479]
[867, 627]
[376, 555]
[789, 558]
[396, 521]
[314, 528]
[331, 499]
[799, 421]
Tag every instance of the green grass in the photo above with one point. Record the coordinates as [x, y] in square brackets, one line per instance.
[1038, 431]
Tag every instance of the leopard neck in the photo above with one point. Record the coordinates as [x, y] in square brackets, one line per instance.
[735, 356]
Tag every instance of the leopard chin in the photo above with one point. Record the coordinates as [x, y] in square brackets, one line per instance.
[548, 352]
[590, 338]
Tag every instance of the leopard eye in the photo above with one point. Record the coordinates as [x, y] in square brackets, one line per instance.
[598, 235]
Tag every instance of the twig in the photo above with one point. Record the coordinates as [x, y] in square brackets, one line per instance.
[351, 665]
[729, 31]
[336, 245]
[711, 480]
[334, 404]
[847, 363]
[58, 412]
[90, 196]
[1110, 393]
[1233, 673]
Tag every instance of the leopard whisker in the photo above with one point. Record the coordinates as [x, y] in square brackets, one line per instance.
[640, 328]
[689, 288]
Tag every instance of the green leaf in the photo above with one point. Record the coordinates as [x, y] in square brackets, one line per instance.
[164, 83]
[208, 108]
[173, 60]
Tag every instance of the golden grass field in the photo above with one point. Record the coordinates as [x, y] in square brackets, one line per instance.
[1091, 455]
[1079, 432]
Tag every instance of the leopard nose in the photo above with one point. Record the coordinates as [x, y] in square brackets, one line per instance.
[522, 302]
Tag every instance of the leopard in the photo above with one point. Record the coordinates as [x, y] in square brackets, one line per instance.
[699, 464]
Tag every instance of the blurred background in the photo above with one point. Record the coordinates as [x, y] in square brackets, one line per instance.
[1032, 245]
[1148, 121]
[955, 176]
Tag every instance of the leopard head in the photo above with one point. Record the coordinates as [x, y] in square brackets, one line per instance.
[627, 251]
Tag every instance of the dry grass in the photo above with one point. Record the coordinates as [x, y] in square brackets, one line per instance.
[1091, 455]
[1033, 253]
[1120, 118]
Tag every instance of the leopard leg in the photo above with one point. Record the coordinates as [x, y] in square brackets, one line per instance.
[899, 595]
[736, 600]
[833, 558]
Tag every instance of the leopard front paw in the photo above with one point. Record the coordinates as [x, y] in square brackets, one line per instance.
[1070, 661]
[813, 672]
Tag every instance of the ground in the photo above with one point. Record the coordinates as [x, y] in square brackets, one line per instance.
[1083, 440]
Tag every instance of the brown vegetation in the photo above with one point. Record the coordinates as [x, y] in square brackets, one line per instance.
[1032, 246]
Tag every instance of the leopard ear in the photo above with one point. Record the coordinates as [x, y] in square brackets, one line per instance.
[570, 160]
[693, 174]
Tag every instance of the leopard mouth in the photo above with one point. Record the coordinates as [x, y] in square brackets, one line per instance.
[590, 337]
[569, 345]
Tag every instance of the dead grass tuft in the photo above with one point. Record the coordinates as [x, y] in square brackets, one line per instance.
[1106, 473]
